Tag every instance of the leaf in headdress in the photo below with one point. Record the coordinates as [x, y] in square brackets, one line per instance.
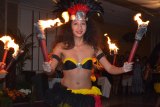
[63, 5]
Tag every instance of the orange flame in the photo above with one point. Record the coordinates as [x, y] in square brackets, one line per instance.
[9, 43]
[49, 23]
[112, 46]
[139, 20]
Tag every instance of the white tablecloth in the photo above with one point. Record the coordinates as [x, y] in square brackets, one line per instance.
[52, 81]
[105, 85]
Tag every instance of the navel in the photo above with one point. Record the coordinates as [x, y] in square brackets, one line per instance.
[77, 83]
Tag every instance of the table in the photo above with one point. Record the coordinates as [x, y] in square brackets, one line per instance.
[105, 86]
[52, 81]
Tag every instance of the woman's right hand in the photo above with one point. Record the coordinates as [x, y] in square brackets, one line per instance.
[47, 66]
[2, 65]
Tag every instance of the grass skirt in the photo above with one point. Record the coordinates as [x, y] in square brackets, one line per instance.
[59, 96]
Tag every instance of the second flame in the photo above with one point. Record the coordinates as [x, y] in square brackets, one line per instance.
[9, 43]
[112, 46]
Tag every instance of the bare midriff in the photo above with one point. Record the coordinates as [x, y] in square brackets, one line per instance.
[77, 79]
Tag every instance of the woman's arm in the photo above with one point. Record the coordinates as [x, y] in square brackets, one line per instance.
[111, 68]
[55, 57]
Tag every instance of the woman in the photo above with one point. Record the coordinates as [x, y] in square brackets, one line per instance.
[76, 51]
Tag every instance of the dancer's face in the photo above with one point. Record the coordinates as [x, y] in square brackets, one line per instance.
[78, 27]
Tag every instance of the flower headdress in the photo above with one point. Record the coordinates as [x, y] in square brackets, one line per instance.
[78, 9]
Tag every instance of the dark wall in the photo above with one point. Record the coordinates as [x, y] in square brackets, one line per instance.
[12, 18]
[12, 14]
[2, 16]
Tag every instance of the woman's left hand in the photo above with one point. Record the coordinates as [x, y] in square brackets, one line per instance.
[3, 72]
[128, 66]
[47, 66]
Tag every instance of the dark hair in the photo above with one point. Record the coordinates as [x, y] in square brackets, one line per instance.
[91, 36]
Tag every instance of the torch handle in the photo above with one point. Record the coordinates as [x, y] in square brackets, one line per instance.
[9, 65]
[14, 59]
[114, 59]
[44, 49]
[42, 41]
[133, 51]
[5, 55]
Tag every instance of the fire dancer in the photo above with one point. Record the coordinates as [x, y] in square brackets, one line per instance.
[76, 47]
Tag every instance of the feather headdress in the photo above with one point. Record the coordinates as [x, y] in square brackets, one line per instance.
[78, 9]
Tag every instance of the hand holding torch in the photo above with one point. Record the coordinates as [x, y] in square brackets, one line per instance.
[8, 43]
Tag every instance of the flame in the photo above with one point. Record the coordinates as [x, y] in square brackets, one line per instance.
[112, 46]
[49, 23]
[9, 43]
[55, 1]
[105, 34]
[139, 20]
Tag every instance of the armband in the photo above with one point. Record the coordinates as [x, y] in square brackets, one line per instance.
[100, 56]
[56, 57]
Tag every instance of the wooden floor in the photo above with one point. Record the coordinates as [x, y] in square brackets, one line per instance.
[151, 100]
[116, 101]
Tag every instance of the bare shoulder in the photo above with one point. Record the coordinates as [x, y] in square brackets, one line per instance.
[58, 48]
[98, 51]
[59, 45]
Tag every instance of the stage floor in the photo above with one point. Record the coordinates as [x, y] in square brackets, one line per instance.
[133, 101]
[115, 101]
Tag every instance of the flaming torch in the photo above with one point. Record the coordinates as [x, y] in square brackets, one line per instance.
[8, 43]
[142, 29]
[112, 47]
[42, 25]
[19, 51]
